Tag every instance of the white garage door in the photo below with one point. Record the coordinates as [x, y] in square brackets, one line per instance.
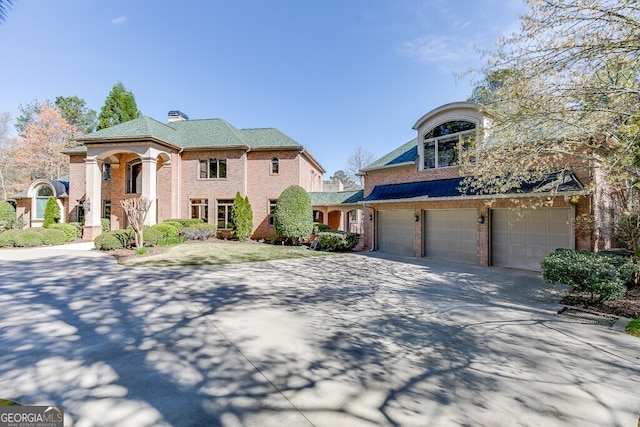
[396, 231]
[520, 239]
[451, 234]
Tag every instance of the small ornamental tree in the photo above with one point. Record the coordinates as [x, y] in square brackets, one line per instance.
[293, 215]
[136, 210]
[242, 217]
[51, 212]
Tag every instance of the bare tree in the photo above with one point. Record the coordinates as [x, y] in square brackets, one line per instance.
[356, 161]
[136, 211]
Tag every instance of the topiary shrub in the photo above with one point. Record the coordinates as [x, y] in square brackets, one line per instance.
[7, 215]
[241, 218]
[51, 236]
[199, 232]
[337, 241]
[151, 236]
[7, 238]
[167, 230]
[51, 212]
[106, 224]
[69, 230]
[293, 215]
[186, 222]
[28, 238]
[108, 241]
[604, 276]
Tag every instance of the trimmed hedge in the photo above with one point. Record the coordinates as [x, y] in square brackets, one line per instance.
[28, 238]
[186, 222]
[200, 231]
[151, 236]
[176, 224]
[603, 275]
[319, 227]
[52, 236]
[7, 215]
[167, 230]
[108, 241]
[8, 238]
[78, 227]
[337, 241]
[293, 214]
[68, 229]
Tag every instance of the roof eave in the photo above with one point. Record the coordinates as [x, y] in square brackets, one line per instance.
[480, 197]
[395, 165]
[129, 139]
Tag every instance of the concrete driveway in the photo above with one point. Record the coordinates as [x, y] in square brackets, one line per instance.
[347, 340]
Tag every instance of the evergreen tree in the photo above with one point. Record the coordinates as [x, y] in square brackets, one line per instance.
[75, 111]
[51, 212]
[242, 217]
[293, 216]
[119, 107]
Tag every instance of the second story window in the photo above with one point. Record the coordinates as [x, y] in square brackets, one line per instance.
[275, 166]
[444, 144]
[213, 169]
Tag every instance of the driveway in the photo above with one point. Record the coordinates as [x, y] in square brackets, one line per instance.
[347, 340]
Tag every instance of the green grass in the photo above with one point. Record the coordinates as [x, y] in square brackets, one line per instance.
[220, 252]
[4, 402]
[633, 327]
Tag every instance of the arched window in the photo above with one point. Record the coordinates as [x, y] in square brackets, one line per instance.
[444, 143]
[134, 177]
[43, 193]
[275, 166]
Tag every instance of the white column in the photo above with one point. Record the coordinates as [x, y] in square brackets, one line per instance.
[93, 197]
[149, 186]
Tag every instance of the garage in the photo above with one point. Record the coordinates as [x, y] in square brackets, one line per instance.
[451, 234]
[521, 238]
[396, 231]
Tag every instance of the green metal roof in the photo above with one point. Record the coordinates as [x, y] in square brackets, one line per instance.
[214, 133]
[331, 198]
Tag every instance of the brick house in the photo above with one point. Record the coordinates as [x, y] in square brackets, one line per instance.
[413, 204]
[187, 168]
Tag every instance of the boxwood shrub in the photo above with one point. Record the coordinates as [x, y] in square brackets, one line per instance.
[8, 238]
[69, 230]
[337, 241]
[186, 222]
[151, 236]
[603, 276]
[167, 230]
[51, 236]
[176, 224]
[28, 238]
[108, 241]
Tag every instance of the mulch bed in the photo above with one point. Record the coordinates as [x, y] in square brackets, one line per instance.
[627, 306]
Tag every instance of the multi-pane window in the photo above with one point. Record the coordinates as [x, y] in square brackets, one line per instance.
[106, 171]
[200, 209]
[134, 177]
[275, 166]
[213, 168]
[272, 209]
[224, 214]
[42, 196]
[444, 144]
[106, 209]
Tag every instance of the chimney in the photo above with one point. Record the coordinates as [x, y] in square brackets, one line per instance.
[177, 116]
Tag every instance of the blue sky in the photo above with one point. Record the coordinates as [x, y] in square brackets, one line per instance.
[331, 74]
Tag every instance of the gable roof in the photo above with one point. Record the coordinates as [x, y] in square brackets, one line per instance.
[331, 198]
[405, 154]
[186, 134]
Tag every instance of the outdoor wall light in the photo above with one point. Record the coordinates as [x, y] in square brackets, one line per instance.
[370, 217]
[481, 219]
[417, 218]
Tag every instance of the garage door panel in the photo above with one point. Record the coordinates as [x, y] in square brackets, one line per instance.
[520, 239]
[396, 232]
[451, 234]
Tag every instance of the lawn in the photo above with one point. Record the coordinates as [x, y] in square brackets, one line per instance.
[217, 252]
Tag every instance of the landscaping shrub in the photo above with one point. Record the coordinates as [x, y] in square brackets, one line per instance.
[319, 227]
[69, 230]
[7, 238]
[51, 212]
[108, 241]
[167, 230]
[176, 224]
[78, 227]
[28, 238]
[171, 241]
[241, 217]
[337, 241]
[7, 215]
[293, 215]
[200, 231]
[106, 224]
[124, 237]
[604, 276]
[151, 236]
[51, 236]
[186, 222]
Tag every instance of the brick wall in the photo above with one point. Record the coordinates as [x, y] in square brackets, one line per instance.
[77, 185]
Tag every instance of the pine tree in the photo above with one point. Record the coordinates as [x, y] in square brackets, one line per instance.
[51, 212]
[119, 107]
[242, 217]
